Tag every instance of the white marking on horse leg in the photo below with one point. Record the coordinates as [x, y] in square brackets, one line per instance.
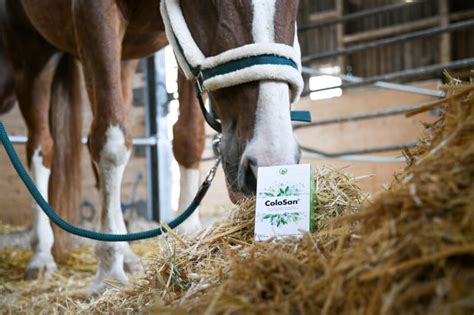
[189, 185]
[113, 158]
[42, 239]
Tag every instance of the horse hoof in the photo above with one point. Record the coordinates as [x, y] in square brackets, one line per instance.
[133, 264]
[100, 284]
[95, 290]
[41, 265]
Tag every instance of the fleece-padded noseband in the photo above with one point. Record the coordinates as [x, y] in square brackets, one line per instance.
[248, 63]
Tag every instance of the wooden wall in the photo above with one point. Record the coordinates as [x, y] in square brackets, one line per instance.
[417, 16]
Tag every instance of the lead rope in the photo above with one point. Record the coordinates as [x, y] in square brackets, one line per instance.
[56, 219]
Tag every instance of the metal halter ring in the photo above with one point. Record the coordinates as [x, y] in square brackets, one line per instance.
[216, 141]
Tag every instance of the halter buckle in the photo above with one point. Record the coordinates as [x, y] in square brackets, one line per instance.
[200, 83]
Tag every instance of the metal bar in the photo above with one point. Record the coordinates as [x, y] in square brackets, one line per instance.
[357, 15]
[151, 129]
[144, 141]
[392, 30]
[409, 89]
[18, 139]
[381, 84]
[392, 40]
[379, 149]
[137, 141]
[356, 158]
[363, 116]
[464, 63]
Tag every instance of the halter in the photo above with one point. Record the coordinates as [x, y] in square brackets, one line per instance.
[248, 63]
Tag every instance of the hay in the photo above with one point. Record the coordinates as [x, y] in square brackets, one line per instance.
[409, 251]
[183, 269]
[178, 269]
[8, 228]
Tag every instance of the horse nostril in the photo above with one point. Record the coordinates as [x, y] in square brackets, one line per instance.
[248, 181]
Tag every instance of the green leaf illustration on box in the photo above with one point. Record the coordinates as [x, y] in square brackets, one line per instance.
[285, 218]
[282, 190]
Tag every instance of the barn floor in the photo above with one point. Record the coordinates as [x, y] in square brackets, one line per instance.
[76, 274]
[68, 286]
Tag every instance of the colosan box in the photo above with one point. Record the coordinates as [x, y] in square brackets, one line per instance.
[284, 201]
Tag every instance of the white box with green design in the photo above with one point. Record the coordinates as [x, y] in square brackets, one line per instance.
[284, 201]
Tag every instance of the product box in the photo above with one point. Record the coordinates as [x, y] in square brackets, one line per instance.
[284, 201]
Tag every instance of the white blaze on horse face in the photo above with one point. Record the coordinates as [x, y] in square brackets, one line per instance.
[113, 159]
[263, 25]
[273, 142]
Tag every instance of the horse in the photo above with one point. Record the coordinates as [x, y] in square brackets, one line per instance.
[7, 82]
[107, 37]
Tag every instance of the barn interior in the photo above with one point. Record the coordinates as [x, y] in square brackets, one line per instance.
[395, 216]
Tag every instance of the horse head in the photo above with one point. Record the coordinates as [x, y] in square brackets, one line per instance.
[255, 113]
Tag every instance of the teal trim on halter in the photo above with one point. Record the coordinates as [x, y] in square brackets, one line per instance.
[301, 116]
[235, 65]
[54, 217]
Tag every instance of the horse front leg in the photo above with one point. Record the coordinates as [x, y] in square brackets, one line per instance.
[188, 146]
[33, 93]
[99, 28]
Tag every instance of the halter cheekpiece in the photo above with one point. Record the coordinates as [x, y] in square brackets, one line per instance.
[248, 63]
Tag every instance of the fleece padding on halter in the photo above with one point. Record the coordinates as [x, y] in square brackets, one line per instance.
[252, 62]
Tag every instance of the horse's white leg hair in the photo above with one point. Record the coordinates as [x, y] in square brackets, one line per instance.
[189, 185]
[42, 240]
[110, 255]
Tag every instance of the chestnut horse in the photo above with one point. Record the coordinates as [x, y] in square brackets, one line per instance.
[106, 36]
[7, 82]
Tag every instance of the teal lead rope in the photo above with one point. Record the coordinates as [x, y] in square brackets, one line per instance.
[53, 216]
